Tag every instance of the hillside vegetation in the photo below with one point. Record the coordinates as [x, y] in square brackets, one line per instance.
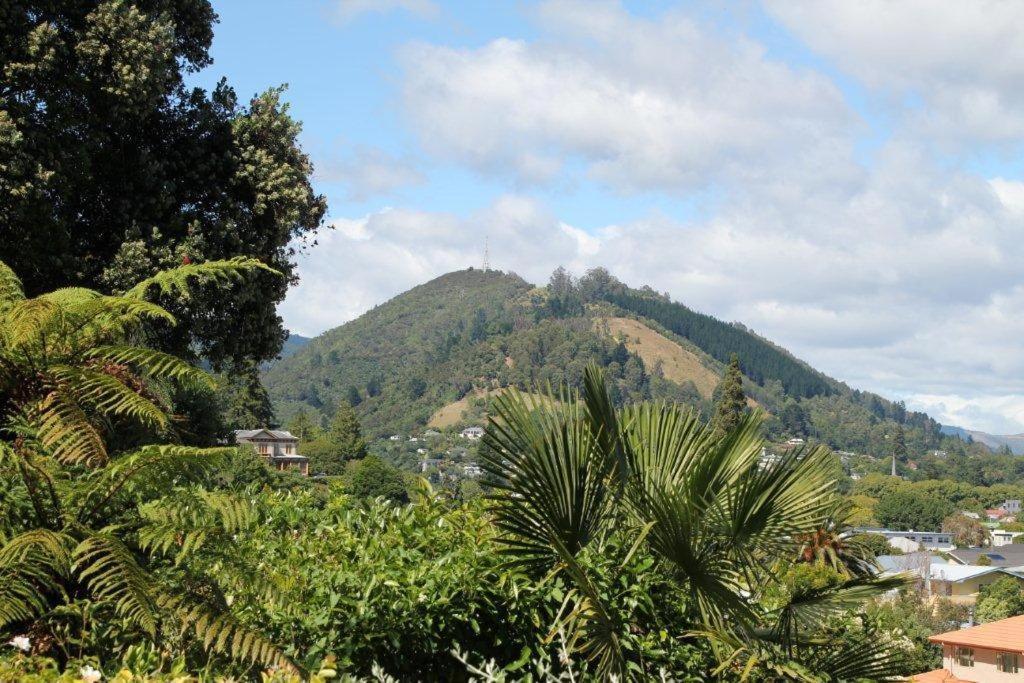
[677, 364]
[440, 353]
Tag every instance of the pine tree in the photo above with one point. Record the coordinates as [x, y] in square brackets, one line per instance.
[345, 434]
[899, 447]
[354, 398]
[731, 403]
[302, 426]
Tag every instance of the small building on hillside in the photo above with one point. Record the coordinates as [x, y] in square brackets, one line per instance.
[430, 463]
[1001, 537]
[989, 652]
[471, 469]
[278, 447]
[1011, 505]
[472, 433]
[910, 541]
[961, 583]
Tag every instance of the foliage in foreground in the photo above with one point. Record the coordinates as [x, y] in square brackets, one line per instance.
[717, 523]
[99, 523]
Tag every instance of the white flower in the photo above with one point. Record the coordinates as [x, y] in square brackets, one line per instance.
[21, 642]
[89, 674]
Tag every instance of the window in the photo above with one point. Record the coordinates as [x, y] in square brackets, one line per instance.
[964, 656]
[1007, 662]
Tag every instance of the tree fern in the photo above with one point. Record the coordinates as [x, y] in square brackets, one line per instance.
[71, 372]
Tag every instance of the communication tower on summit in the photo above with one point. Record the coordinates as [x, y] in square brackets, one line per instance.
[487, 254]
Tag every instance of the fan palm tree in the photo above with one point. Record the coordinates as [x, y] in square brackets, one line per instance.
[80, 524]
[833, 543]
[717, 520]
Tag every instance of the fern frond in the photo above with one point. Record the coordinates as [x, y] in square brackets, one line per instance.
[178, 280]
[26, 319]
[110, 571]
[156, 364]
[11, 291]
[182, 526]
[63, 428]
[155, 467]
[222, 632]
[110, 396]
[31, 565]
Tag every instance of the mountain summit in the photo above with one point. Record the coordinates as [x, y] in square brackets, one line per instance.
[438, 352]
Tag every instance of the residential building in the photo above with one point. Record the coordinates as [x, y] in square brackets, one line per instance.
[471, 469]
[1011, 505]
[962, 582]
[472, 433]
[989, 653]
[394, 437]
[428, 463]
[996, 514]
[1001, 537]
[1007, 556]
[970, 515]
[431, 434]
[280, 448]
[928, 540]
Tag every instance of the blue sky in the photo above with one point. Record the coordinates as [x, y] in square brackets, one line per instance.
[845, 178]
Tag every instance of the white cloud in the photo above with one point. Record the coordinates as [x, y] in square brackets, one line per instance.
[348, 10]
[963, 60]
[370, 172]
[901, 276]
[905, 293]
[669, 104]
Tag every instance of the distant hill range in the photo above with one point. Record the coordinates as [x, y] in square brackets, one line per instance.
[1015, 442]
[293, 343]
[440, 352]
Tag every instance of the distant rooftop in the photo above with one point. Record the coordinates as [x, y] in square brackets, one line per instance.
[1005, 634]
[271, 433]
[1011, 555]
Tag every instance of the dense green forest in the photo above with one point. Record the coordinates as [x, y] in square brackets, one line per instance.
[474, 330]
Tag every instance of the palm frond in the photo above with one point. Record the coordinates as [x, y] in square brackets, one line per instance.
[178, 280]
[546, 458]
[809, 609]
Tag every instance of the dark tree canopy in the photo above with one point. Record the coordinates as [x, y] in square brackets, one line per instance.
[113, 169]
[730, 404]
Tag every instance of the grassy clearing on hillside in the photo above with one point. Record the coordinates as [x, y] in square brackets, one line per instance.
[454, 413]
[677, 364]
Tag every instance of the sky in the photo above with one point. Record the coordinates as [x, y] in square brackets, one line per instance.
[846, 179]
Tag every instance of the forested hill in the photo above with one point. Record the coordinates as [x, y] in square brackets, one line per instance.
[439, 352]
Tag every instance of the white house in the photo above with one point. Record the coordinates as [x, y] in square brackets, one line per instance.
[929, 540]
[278, 447]
[472, 433]
[1002, 537]
[471, 469]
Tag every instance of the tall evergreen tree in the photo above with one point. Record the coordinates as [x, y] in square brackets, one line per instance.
[341, 442]
[112, 167]
[731, 404]
[302, 426]
[345, 433]
[899, 447]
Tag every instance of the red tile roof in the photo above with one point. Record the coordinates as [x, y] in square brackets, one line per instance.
[1006, 635]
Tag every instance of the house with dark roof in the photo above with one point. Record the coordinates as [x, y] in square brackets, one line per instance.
[1007, 556]
[278, 447]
